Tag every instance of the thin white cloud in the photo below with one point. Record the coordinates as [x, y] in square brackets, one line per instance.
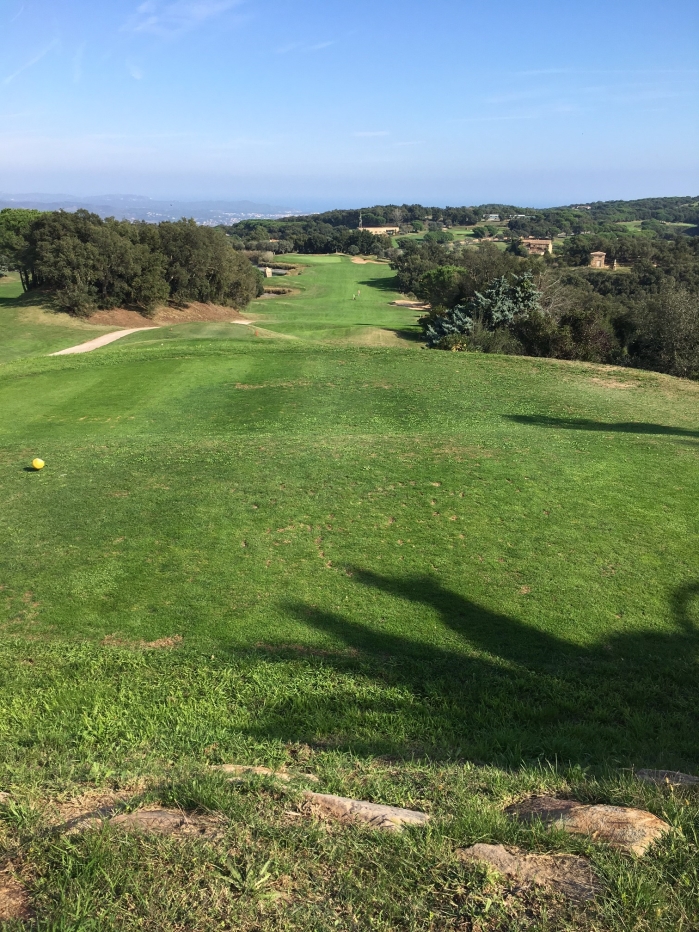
[32, 61]
[18, 13]
[365, 135]
[135, 72]
[294, 46]
[166, 20]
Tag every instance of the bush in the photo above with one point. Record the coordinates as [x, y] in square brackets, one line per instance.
[440, 236]
[500, 305]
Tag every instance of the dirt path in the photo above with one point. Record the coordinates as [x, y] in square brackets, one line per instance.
[100, 341]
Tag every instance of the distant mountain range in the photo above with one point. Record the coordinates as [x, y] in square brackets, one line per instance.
[136, 207]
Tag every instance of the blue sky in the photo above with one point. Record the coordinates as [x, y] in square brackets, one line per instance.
[312, 103]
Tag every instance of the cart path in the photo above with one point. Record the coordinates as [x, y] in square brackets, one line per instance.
[100, 341]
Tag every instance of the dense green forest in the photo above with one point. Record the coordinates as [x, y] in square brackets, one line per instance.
[646, 314]
[338, 230]
[87, 263]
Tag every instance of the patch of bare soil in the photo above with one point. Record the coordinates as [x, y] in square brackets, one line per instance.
[113, 640]
[14, 902]
[88, 809]
[274, 383]
[613, 383]
[359, 261]
[415, 305]
[121, 318]
[238, 773]
[95, 809]
[196, 311]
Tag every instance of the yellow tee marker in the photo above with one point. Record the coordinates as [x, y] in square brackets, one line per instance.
[38, 464]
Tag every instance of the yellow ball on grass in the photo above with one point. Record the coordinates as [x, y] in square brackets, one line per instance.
[38, 464]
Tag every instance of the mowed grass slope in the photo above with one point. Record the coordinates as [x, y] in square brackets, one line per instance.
[437, 580]
[27, 328]
[515, 516]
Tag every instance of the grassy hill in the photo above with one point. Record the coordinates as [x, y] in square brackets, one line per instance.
[27, 328]
[435, 580]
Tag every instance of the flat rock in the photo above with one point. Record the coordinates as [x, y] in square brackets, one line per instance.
[160, 821]
[4, 797]
[564, 873]
[632, 829]
[170, 822]
[386, 818]
[667, 777]
[240, 771]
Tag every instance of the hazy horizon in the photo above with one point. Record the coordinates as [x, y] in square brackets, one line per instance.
[288, 205]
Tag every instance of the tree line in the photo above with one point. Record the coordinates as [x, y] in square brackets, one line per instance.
[489, 300]
[338, 230]
[305, 236]
[87, 263]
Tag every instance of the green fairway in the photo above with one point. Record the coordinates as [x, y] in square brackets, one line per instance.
[326, 309]
[436, 579]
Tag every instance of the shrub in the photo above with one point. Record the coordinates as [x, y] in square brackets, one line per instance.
[504, 301]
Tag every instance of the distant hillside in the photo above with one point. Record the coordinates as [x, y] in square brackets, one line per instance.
[344, 230]
[665, 209]
[135, 207]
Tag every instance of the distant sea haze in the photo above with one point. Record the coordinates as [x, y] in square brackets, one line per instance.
[136, 207]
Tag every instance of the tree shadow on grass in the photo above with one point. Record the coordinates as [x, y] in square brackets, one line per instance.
[25, 299]
[36, 297]
[412, 334]
[381, 284]
[581, 423]
[500, 691]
